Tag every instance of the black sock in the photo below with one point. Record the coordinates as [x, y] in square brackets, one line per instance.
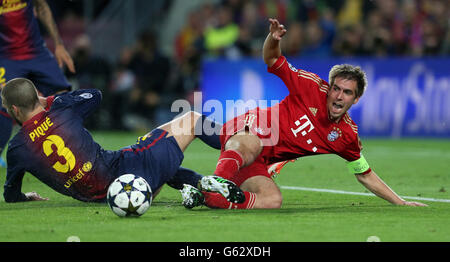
[208, 131]
[184, 176]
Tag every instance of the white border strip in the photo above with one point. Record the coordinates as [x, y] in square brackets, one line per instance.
[358, 193]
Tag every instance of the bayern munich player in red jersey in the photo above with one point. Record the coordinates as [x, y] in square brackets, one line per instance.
[311, 120]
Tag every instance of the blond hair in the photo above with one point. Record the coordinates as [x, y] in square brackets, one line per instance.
[349, 72]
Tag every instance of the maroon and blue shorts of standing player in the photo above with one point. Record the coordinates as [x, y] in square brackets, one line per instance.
[42, 70]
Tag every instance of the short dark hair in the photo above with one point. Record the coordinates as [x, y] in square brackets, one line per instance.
[349, 72]
[20, 92]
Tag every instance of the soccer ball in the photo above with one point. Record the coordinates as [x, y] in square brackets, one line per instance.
[129, 195]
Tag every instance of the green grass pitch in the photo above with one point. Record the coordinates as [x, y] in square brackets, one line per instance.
[418, 168]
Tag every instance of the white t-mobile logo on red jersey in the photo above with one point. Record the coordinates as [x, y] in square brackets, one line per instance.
[302, 125]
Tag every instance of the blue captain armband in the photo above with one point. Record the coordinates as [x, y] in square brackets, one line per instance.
[358, 166]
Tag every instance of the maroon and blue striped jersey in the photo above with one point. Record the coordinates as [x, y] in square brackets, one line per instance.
[56, 148]
[20, 37]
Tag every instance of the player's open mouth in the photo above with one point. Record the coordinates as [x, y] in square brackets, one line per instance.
[337, 107]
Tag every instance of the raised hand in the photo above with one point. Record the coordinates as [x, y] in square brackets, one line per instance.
[276, 29]
[63, 57]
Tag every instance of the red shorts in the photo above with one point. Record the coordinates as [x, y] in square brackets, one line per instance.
[257, 126]
[257, 168]
[259, 122]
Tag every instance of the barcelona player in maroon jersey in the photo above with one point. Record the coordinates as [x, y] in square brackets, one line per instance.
[23, 52]
[54, 146]
[311, 120]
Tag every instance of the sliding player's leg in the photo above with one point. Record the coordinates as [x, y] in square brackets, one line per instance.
[183, 131]
[191, 184]
[193, 125]
[260, 192]
[259, 189]
[240, 151]
[267, 193]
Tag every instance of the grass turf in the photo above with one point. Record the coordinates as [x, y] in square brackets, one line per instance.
[410, 167]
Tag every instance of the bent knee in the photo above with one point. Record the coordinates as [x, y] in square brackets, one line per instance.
[269, 202]
[248, 145]
[193, 116]
[274, 202]
[268, 195]
[188, 121]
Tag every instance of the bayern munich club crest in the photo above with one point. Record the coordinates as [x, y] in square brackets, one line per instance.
[334, 134]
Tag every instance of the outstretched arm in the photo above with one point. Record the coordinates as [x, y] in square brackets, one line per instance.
[44, 15]
[12, 189]
[30, 196]
[271, 47]
[372, 182]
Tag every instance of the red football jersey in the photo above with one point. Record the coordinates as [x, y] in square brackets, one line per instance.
[303, 127]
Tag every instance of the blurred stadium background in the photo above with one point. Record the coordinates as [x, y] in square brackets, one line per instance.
[144, 55]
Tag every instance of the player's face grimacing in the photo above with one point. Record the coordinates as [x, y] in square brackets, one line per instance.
[341, 96]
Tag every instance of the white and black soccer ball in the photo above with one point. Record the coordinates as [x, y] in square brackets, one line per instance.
[129, 195]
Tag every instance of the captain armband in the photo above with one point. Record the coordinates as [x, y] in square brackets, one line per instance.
[358, 166]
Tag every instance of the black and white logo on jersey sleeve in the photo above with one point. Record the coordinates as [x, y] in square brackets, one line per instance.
[86, 95]
[292, 68]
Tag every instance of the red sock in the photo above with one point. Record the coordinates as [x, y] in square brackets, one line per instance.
[229, 163]
[216, 200]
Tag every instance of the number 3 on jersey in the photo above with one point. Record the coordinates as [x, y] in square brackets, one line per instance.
[62, 151]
